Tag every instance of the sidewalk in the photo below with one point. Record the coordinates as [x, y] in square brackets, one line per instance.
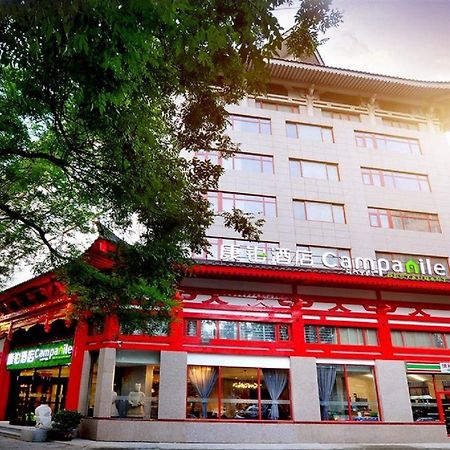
[83, 444]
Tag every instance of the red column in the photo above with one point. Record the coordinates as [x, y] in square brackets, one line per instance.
[5, 378]
[177, 325]
[384, 329]
[76, 366]
[297, 329]
[112, 328]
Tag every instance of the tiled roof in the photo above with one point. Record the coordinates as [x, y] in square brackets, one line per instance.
[432, 91]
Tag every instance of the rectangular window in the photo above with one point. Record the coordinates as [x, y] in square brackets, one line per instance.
[351, 117]
[317, 334]
[237, 393]
[307, 132]
[402, 181]
[347, 392]
[314, 169]
[153, 328]
[322, 212]
[239, 250]
[404, 258]
[317, 253]
[136, 385]
[389, 143]
[419, 339]
[403, 124]
[422, 393]
[404, 220]
[249, 124]
[240, 161]
[254, 204]
[207, 329]
[278, 106]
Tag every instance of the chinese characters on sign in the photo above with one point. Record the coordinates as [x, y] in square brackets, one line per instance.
[255, 254]
[47, 355]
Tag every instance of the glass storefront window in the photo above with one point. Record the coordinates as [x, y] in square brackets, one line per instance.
[423, 397]
[136, 389]
[422, 393]
[347, 392]
[237, 393]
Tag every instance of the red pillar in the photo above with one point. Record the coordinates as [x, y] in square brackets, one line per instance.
[5, 378]
[76, 366]
[384, 329]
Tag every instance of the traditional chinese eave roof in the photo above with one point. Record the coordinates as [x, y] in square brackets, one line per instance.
[47, 286]
[362, 82]
[314, 277]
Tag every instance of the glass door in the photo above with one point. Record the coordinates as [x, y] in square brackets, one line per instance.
[30, 387]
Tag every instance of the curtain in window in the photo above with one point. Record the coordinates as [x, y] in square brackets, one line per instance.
[203, 378]
[326, 376]
[275, 382]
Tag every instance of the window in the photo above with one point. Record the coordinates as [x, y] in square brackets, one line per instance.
[237, 393]
[153, 328]
[404, 124]
[404, 258]
[402, 181]
[317, 253]
[317, 334]
[347, 392]
[136, 385]
[351, 117]
[314, 169]
[253, 204]
[420, 339]
[248, 124]
[307, 132]
[422, 393]
[323, 212]
[404, 220]
[389, 143]
[208, 329]
[247, 162]
[278, 106]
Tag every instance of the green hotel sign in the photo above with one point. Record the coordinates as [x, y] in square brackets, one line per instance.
[46, 355]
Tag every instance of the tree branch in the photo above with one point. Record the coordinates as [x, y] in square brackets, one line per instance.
[15, 215]
[37, 155]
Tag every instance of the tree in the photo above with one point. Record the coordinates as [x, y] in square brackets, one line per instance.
[98, 99]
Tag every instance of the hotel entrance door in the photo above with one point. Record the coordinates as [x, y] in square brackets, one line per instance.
[30, 387]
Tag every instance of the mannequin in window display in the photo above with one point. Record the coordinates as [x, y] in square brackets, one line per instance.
[136, 402]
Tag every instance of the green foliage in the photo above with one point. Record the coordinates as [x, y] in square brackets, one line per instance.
[66, 420]
[101, 102]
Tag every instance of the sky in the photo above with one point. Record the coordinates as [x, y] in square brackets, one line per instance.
[405, 38]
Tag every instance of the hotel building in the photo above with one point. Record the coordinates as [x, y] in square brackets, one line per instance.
[335, 327]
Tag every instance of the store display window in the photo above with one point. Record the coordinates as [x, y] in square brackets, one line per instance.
[422, 393]
[347, 392]
[136, 385]
[135, 390]
[238, 393]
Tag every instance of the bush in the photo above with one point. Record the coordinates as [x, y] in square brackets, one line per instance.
[66, 420]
